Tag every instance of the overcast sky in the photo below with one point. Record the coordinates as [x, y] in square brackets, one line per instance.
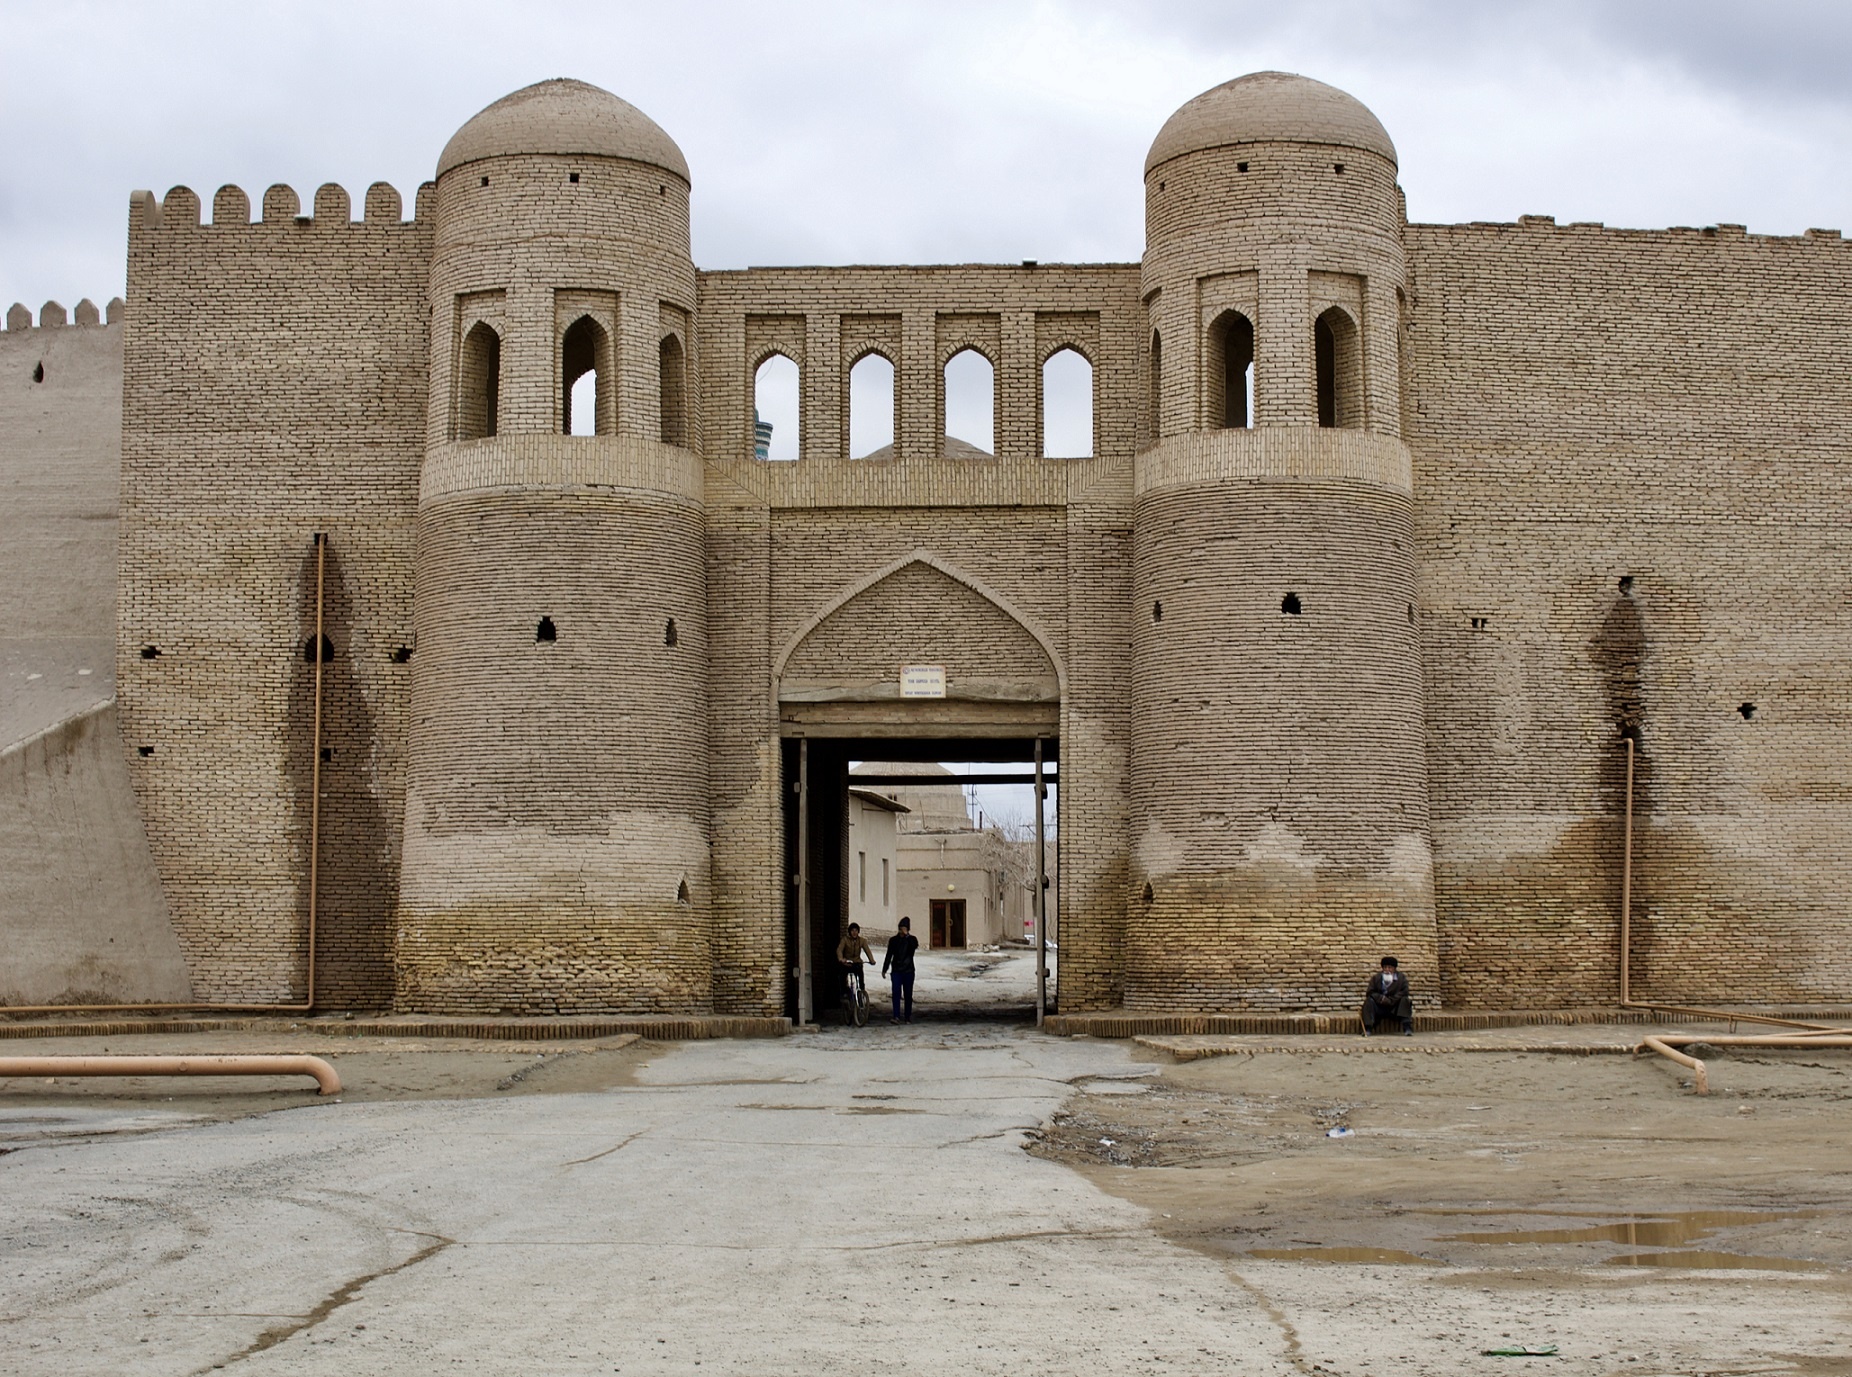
[937, 132]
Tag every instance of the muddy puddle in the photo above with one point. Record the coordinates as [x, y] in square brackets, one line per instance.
[1656, 1231]
[1705, 1261]
[1671, 1230]
[1393, 1257]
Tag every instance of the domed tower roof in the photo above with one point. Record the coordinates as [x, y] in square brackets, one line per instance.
[563, 117]
[1277, 107]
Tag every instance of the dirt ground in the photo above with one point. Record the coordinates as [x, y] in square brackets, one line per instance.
[1502, 1200]
[1481, 1199]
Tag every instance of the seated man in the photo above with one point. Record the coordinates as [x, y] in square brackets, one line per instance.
[1388, 995]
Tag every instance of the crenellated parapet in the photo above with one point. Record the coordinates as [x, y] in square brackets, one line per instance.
[331, 207]
[52, 315]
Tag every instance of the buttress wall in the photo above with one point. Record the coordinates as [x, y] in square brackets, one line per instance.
[274, 388]
[1633, 463]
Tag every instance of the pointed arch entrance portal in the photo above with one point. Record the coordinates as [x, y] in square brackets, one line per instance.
[917, 662]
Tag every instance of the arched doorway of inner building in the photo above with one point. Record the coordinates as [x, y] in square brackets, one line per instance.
[914, 707]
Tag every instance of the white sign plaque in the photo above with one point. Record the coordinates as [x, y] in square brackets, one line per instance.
[922, 681]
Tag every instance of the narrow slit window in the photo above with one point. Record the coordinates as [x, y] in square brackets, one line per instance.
[673, 381]
[479, 383]
[970, 403]
[775, 392]
[871, 407]
[1067, 406]
[584, 365]
[1230, 390]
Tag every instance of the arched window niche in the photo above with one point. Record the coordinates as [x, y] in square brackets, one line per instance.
[673, 382]
[1154, 400]
[588, 400]
[1067, 405]
[1229, 372]
[776, 388]
[1338, 363]
[871, 407]
[970, 398]
[479, 383]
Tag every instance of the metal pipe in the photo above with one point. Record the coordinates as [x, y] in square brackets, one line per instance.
[806, 999]
[1733, 1016]
[1843, 1038]
[315, 791]
[1666, 1043]
[1700, 1081]
[1041, 893]
[315, 765]
[233, 1065]
[1626, 887]
[1626, 944]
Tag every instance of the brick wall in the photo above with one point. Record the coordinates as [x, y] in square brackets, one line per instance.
[274, 387]
[60, 456]
[1671, 409]
[1619, 506]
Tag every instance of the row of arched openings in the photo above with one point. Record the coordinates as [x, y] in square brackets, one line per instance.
[588, 401]
[969, 397]
[1228, 371]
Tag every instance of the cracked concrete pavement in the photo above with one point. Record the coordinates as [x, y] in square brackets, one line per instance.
[828, 1203]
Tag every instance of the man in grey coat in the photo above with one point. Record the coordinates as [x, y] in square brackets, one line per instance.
[1388, 996]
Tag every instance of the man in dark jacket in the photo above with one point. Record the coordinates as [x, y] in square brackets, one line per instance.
[1388, 996]
[900, 949]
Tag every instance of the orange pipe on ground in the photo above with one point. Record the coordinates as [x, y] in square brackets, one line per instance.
[230, 1065]
[1700, 1079]
[1664, 1045]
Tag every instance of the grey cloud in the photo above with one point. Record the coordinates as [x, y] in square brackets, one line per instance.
[899, 132]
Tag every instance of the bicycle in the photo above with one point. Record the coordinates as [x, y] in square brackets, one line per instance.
[855, 996]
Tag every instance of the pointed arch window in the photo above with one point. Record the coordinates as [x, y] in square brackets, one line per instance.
[970, 403]
[776, 388]
[1230, 372]
[587, 403]
[1155, 397]
[479, 381]
[1339, 367]
[1067, 405]
[673, 381]
[871, 407]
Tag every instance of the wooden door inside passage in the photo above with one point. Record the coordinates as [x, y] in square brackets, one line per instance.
[948, 922]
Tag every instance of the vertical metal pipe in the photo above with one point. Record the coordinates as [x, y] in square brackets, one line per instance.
[1041, 894]
[1626, 887]
[806, 1009]
[315, 764]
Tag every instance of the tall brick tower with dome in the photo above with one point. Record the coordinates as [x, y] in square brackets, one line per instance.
[556, 848]
[1279, 770]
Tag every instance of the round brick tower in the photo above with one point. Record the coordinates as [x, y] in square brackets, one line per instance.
[556, 831]
[1279, 773]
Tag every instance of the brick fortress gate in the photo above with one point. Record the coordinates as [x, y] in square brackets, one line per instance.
[1387, 535]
